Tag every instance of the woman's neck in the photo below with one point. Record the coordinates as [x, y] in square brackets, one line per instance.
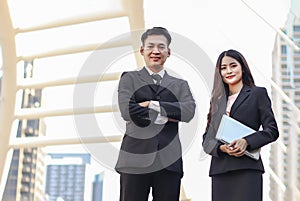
[234, 89]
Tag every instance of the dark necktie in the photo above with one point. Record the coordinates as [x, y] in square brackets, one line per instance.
[157, 78]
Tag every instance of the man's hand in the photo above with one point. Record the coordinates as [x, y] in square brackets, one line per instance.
[172, 120]
[144, 104]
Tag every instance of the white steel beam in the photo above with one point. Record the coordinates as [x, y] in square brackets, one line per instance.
[42, 141]
[135, 11]
[73, 20]
[36, 113]
[77, 49]
[277, 179]
[31, 83]
[8, 90]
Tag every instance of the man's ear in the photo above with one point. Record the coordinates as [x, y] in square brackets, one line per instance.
[142, 50]
[169, 52]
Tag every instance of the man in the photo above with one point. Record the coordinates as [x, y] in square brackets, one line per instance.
[152, 103]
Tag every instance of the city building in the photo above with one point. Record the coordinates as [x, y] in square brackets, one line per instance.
[285, 156]
[65, 177]
[25, 180]
[98, 187]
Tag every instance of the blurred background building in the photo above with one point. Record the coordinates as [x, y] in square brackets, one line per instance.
[285, 158]
[98, 187]
[26, 173]
[65, 177]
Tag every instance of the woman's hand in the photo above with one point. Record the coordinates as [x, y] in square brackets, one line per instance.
[237, 148]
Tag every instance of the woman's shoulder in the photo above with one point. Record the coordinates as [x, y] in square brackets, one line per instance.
[259, 90]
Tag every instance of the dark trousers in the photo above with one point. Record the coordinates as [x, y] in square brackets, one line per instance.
[136, 187]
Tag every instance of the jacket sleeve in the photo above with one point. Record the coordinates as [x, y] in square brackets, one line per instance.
[129, 108]
[183, 109]
[211, 146]
[269, 132]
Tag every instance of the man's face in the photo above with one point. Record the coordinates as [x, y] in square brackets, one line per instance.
[155, 52]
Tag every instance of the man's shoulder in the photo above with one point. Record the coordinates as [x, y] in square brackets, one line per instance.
[176, 78]
[128, 73]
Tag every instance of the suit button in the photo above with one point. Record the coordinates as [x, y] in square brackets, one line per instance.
[158, 97]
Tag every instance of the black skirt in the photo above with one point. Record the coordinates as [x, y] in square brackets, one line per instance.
[240, 185]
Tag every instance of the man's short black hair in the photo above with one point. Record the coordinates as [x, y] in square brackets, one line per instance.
[156, 31]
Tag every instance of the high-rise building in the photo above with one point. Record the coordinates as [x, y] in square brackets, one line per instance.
[65, 177]
[98, 187]
[25, 179]
[285, 157]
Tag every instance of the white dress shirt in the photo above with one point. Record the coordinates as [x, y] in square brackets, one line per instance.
[154, 105]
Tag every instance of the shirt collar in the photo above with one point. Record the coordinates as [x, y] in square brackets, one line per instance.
[161, 73]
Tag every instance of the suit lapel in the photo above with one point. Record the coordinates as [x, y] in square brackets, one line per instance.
[244, 93]
[166, 81]
[145, 77]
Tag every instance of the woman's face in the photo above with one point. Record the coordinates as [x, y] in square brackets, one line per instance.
[231, 71]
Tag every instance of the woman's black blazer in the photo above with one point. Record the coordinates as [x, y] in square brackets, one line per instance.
[252, 108]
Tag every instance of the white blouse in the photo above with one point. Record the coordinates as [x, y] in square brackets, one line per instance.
[230, 102]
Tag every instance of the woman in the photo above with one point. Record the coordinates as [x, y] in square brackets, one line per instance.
[235, 176]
